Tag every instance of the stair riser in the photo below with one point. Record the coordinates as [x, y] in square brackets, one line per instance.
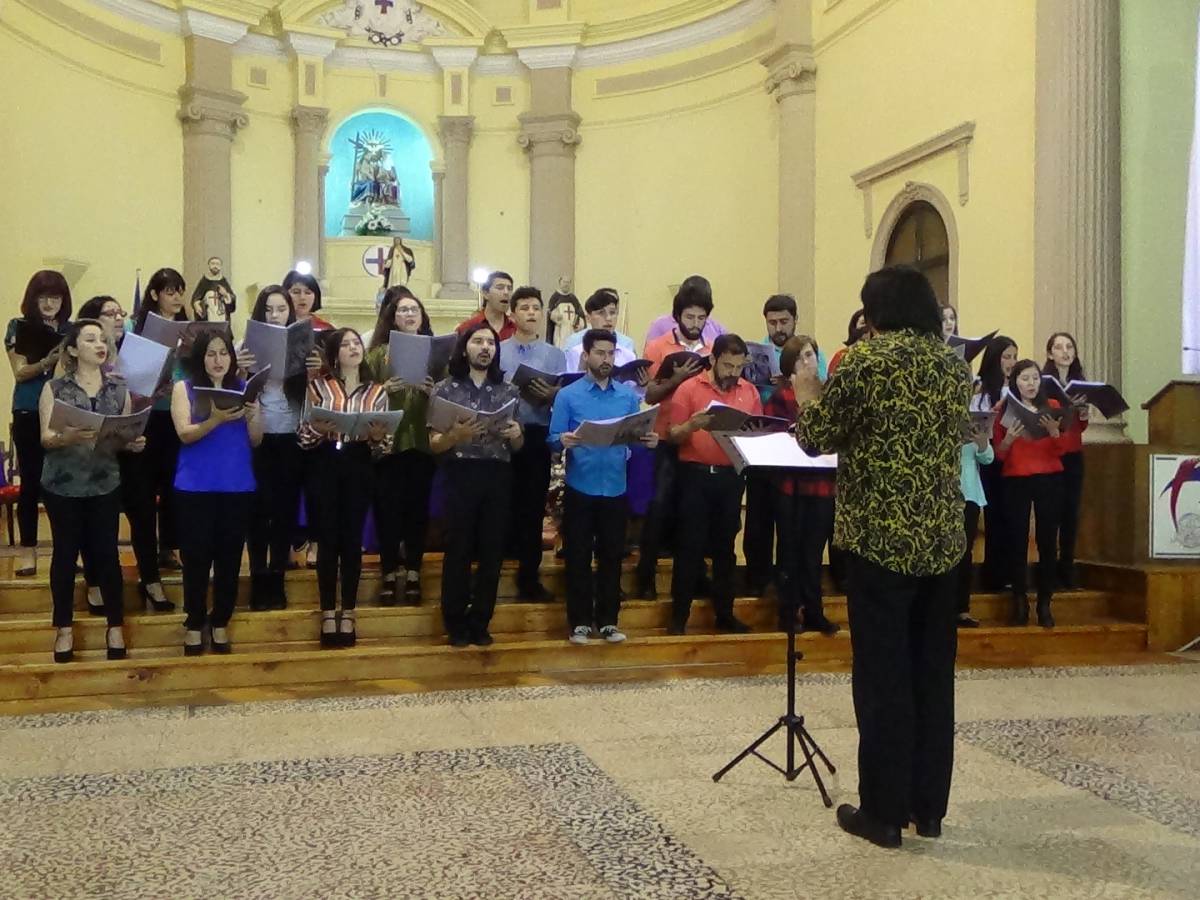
[705, 655]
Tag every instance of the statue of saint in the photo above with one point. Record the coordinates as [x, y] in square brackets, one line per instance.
[213, 300]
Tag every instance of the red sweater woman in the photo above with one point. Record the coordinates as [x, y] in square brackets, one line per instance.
[1032, 471]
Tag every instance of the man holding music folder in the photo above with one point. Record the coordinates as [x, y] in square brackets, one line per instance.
[593, 421]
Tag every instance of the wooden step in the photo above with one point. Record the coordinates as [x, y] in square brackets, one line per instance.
[30, 632]
[428, 665]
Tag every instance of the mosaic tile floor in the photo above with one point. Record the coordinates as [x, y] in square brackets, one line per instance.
[1069, 783]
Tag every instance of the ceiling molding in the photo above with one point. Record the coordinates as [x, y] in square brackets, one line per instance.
[314, 45]
[499, 64]
[254, 44]
[218, 28]
[558, 57]
[379, 60]
[454, 57]
[674, 16]
[705, 31]
[145, 12]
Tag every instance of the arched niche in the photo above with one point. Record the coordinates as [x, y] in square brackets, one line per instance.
[408, 153]
[915, 192]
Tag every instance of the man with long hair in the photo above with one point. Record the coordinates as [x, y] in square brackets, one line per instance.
[896, 413]
[479, 479]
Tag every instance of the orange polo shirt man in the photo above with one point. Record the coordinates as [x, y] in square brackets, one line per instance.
[709, 488]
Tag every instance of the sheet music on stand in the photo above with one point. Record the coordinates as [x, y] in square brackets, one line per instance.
[777, 450]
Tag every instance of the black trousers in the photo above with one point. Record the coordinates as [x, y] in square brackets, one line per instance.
[805, 525]
[1072, 479]
[213, 526]
[710, 514]
[904, 639]
[148, 495]
[478, 491]
[27, 440]
[997, 554]
[530, 483]
[402, 486]
[87, 526]
[660, 516]
[965, 566]
[1042, 493]
[600, 521]
[758, 536]
[278, 470]
[340, 486]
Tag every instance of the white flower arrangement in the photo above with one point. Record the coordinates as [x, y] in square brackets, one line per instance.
[374, 222]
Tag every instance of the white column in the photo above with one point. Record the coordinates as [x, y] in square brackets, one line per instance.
[308, 127]
[456, 133]
[1077, 182]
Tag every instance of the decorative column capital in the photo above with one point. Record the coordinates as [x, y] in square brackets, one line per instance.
[211, 111]
[556, 134]
[456, 129]
[309, 120]
[791, 70]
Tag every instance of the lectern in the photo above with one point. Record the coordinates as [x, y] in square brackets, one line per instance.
[1174, 414]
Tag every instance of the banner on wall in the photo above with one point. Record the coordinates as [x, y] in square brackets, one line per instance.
[1191, 250]
[1174, 506]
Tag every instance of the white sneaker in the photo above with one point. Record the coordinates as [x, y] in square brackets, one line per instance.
[580, 634]
[612, 634]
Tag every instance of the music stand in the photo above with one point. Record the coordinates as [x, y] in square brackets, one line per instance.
[790, 722]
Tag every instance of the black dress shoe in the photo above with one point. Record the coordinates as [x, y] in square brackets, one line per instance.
[151, 603]
[481, 638]
[930, 828]
[822, 626]
[677, 627]
[733, 625]
[1044, 616]
[535, 593]
[460, 640]
[854, 821]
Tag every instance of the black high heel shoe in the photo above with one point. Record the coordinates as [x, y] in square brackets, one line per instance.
[329, 635]
[68, 653]
[152, 603]
[220, 646]
[95, 609]
[347, 638]
[110, 651]
[193, 648]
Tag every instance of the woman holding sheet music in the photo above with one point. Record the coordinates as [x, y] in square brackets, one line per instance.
[81, 485]
[341, 478]
[147, 479]
[305, 292]
[1062, 363]
[278, 466]
[214, 488]
[1030, 449]
[33, 342]
[403, 477]
[998, 361]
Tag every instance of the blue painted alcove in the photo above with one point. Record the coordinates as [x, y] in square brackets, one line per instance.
[411, 155]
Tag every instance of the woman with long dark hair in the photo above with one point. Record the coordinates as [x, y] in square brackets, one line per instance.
[33, 341]
[278, 467]
[81, 486]
[949, 321]
[341, 477]
[147, 479]
[305, 292]
[1032, 475]
[403, 477]
[214, 488]
[998, 360]
[1063, 363]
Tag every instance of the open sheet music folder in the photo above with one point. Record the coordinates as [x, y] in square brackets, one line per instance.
[777, 450]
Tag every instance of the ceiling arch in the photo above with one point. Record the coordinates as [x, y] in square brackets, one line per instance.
[458, 13]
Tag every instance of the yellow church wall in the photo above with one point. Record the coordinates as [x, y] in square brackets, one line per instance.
[1158, 65]
[93, 156]
[892, 74]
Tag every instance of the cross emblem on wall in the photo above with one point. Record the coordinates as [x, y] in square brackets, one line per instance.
[385, 5]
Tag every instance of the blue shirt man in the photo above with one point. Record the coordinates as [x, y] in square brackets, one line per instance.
[539, 355]
[594, 507]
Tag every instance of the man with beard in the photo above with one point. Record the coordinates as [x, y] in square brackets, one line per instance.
[691, 308]
[594, 507]
[215, 281]
[479, 482]
[710, 489]
[497, 290]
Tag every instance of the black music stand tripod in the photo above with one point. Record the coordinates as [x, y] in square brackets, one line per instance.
[793, 726]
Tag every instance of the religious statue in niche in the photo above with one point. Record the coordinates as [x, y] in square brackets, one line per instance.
[213, 300]
[565, 316]
[387, 23]
[374, 188]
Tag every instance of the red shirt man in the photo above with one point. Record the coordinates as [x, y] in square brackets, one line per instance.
[496, 293]
[709, 488]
